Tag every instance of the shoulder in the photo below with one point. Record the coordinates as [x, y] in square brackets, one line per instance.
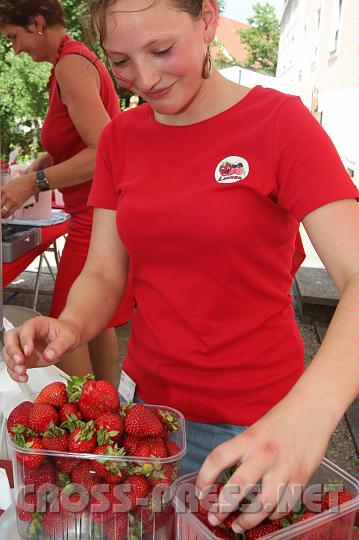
[132, 118]
[274, 100]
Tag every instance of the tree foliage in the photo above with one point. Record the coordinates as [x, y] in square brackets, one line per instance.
[262, 39]
[23, 93]
[223, 58]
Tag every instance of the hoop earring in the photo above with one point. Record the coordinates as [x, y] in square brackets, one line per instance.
[207, 66]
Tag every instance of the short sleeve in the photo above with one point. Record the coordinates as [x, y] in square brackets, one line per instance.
[308, 168]
[103, 192]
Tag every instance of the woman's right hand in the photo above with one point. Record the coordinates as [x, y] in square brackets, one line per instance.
[39, 342]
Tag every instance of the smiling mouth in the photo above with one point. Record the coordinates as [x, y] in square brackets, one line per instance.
[157, 93]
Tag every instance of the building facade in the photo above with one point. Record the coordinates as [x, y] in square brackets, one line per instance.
[318, 57]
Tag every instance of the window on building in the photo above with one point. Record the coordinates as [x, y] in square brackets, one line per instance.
[335, 26]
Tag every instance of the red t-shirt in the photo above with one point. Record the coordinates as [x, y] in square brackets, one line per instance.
[60, 137]
[209, 214]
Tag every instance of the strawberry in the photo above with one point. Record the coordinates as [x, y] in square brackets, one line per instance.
[116, 528]
[53, 394]
[261, 530]
[113, 471]
[69, 410]
[33, 460]
[140, 421]
[84, 475]
[109, 427]
[73, 501]
[26, 506]
[228, 522]
[225, 168]
[83, 439]
[66, 465]
[138, 488]
[19, 415]
[169, 421]
[151, 520]
[102, 506]
[211, 498]
[314, 534]
[45, 474]
[162, 475]
[172, 447]
[335, 498]
[56, 439]
[94, 397]
[152, 446]
[130, 444]
[54, 524]
[42, 417]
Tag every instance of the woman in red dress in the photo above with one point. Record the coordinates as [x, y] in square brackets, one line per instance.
[82, 100]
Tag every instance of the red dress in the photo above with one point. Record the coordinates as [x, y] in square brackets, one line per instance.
[62, 141]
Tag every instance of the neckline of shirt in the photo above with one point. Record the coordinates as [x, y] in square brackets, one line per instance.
[242, 102]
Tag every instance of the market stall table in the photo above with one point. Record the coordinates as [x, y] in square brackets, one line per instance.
[49, 234]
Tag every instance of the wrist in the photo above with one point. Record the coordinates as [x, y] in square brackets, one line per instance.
[42, 183]
[33, 185]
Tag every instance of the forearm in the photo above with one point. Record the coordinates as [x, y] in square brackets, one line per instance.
[73, 171]
[92, 301]
[332, 378]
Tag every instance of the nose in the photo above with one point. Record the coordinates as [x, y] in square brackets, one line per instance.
[146, 76]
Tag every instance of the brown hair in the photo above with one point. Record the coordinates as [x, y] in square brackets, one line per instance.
[98, 8]
[20, 12]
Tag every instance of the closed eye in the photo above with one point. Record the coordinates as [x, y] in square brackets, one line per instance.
[119, 63]
[164, 52]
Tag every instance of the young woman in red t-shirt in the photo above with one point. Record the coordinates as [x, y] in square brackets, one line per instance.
[210, 189]
[82, 101]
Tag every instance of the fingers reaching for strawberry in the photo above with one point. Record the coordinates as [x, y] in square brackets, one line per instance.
[39, 342]
[278, 453]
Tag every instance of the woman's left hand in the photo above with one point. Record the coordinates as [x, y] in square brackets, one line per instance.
[15, 192]
[281, 450]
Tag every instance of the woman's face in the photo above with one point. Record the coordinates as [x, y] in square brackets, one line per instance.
[157, 52]
[25, 40]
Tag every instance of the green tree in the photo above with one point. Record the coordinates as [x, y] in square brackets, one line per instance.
[23, 93]
[262, 39]
[223, 58]
[222, 5]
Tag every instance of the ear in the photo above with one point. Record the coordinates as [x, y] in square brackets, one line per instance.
[38, 24]
[210, 15]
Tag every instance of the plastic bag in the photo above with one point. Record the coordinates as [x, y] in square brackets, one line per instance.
[12, 394]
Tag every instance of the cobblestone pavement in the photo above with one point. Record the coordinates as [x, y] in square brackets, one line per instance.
[341, 450]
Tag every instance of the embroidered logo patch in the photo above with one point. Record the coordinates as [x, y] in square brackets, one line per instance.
[231, 169]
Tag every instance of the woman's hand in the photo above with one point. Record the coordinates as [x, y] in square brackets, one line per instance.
[15, 192]
[281, 450]
[39, 342]
[42, 162]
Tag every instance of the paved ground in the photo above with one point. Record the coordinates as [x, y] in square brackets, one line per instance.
[341, 449]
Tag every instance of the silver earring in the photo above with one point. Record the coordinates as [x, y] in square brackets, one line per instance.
[207, 66]
[40, 33]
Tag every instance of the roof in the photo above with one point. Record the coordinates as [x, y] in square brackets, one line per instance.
[226, 33]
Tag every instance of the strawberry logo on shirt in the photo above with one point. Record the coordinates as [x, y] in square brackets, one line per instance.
[231, 169]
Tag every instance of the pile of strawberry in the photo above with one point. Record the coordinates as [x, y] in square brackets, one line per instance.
[332, 495]
[116, 494]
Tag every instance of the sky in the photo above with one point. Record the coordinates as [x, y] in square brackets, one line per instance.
[240, 10]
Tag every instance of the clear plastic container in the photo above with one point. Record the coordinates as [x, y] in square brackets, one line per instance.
[152, 518]
[329, 525]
